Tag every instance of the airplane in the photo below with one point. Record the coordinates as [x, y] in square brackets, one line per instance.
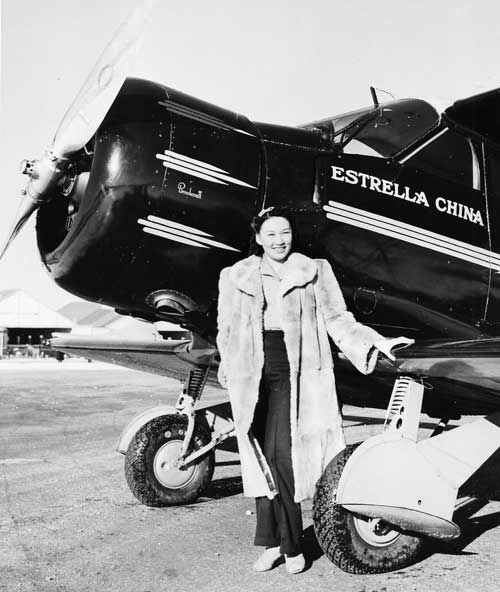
[146, 193]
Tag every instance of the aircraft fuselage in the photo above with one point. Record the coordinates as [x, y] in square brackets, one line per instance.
[174, 182]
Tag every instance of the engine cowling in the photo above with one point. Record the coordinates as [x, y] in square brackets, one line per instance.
[171, 187]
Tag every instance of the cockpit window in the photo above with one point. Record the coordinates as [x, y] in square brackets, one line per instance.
[383, 130]
[450, 156]
[395, 126]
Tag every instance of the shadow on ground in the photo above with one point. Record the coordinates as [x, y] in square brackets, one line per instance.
[472, 527]
[310, 546]
[221, 488]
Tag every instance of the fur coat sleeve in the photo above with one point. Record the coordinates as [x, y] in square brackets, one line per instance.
[223, 323]
[355, 340]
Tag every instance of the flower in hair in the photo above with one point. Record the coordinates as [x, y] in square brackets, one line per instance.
[265, 211]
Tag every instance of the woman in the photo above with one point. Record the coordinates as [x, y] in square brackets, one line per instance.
[276, 309]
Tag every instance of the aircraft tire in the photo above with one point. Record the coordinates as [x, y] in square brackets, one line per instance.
[354, 543]
[159, 442]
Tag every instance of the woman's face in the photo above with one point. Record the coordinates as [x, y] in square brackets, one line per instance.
[275, 237]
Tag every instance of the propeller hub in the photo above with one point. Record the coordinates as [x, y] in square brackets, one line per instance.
[44, 174]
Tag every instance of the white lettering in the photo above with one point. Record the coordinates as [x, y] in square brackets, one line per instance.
[337, 173]
[452, 208]
[459, 210]
[387, 187]
[469, 213]
[478, 219]
[364, 178]
[396, 191]
[351, 177]
[181, 188]
[440, 204]
[422, 199]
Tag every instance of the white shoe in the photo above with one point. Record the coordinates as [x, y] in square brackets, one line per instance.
[295, 565]
[268, 559]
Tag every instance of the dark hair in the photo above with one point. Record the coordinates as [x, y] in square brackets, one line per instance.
[258, 221]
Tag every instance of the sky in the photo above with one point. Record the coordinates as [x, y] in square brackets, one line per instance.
[280, 61]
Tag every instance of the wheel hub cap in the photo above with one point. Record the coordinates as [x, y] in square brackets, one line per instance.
[375, 531]
[164, 466]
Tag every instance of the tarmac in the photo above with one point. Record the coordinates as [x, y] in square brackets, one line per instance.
[68, 521]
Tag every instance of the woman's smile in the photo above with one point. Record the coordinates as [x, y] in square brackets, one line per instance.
[275, 238]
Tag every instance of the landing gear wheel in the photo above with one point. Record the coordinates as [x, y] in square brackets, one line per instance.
[149, 463]
[355, 543]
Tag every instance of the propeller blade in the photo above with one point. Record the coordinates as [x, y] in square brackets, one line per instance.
[85, 114]
[97, 94]
[27, 207]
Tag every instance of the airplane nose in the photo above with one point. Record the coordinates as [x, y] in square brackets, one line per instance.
[151, 219]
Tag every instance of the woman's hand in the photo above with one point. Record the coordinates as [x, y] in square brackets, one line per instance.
[385, 345]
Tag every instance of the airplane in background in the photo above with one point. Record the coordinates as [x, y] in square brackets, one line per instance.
[146, 193]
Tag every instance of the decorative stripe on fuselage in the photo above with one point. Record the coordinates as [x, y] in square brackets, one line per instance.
[411, 234]
[198, 168]
[191, 113]
[181, 233]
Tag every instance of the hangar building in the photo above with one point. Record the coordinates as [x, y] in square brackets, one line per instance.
[25, 321]
[26, 324]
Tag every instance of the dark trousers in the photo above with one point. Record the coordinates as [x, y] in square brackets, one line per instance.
[279, 521]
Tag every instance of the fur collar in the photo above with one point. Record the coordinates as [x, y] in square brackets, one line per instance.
[297, 271]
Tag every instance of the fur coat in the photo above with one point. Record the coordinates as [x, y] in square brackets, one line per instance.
[312, 307]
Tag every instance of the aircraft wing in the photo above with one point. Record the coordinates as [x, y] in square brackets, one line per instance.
[472, 361]
[168, 357]
[461, 377]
